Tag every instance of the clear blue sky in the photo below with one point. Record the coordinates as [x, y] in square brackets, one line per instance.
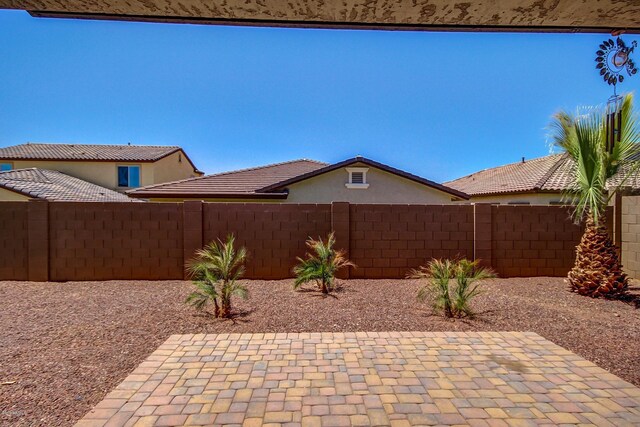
[440, 105]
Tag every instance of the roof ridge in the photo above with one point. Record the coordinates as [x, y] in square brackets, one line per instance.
[542, 181]
[196, 178]
[270, 165]
[94, 145]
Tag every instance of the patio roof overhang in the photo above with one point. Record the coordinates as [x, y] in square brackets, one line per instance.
[430, 15]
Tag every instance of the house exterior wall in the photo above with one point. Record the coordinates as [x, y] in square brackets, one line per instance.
[12, 196]
[173, 168]
[384, 187]
[105, 174]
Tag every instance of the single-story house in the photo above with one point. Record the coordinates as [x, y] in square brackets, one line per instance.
[117, 167]
[32, 183]
[356, 180]
[541, 181]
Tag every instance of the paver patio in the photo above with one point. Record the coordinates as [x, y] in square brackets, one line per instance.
[367, 378]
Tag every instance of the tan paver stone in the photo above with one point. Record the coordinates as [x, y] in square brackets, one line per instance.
[484, 379]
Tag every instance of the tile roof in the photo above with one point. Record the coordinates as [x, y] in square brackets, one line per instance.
[129, 153]
[56, 186]
[369, 162]
[239, 183]
[266, 181]
[553, 173]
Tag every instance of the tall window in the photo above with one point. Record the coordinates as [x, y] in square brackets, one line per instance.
[129, 176]
[5, 167]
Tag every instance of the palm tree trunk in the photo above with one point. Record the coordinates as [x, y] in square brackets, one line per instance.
[324, 288]
[216, 308]
[597, 271]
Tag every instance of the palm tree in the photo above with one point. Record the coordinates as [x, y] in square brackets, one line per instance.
[455, 301]
[321, 265]
[597, 270]
[215, 271]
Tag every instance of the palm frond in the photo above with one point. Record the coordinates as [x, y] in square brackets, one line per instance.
[583, 137]
[215, 271]
[321, 263]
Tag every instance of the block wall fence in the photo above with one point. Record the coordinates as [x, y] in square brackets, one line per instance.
[64, 241]
[631, 235]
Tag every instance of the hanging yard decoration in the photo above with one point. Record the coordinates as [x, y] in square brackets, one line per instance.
[612, 59]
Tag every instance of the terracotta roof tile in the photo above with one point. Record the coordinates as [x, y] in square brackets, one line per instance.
[56, 186]
[240, 182]
[266, 181]
[129, 153]
[554, 173]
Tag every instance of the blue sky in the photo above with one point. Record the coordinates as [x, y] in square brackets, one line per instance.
[440, 105]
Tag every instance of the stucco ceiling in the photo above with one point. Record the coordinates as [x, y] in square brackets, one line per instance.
[482, 15]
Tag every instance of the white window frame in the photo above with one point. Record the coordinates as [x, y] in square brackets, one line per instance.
[353, 185]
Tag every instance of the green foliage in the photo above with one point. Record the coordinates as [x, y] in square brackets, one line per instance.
[215, 271]
[453, 301]
[583, 138]
[321, 264]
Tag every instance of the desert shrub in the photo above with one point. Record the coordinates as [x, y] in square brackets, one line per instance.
[321, 264]
[215, 272]
[452, 300]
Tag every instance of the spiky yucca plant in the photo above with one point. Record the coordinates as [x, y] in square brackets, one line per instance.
[215, 271]
[454, 301]
[597, 271]
[321, 264]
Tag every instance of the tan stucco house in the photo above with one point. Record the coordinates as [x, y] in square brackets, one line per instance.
[541, 181]
[356, 180]
[115, 167]
[22, 185]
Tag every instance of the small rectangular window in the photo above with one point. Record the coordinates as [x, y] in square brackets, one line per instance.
[5, 167]
[129, 176]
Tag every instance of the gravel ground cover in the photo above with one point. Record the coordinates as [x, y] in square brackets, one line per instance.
[63, 346]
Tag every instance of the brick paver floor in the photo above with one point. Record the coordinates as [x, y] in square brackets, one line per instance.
[367, 379]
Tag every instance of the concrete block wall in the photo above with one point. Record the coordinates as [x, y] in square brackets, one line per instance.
[102, 241]
[386, 241]
[14, 255]
[631, 235]
[535, 241]
[274, 234]
[63, 241]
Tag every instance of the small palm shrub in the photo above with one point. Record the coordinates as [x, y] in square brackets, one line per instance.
[321, 264]
[453, 301]
[215, 271]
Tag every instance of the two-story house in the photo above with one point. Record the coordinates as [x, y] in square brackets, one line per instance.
[114, 167]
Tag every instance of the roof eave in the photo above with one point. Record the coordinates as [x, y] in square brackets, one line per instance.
[147, 195]
[381, 166]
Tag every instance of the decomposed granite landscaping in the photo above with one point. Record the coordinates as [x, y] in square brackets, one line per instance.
[64, 347]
